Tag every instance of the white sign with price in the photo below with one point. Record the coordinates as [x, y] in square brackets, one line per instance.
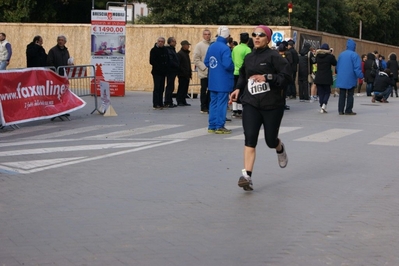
[102, 30]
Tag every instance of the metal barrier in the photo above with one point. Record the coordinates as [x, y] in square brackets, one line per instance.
[82, 81]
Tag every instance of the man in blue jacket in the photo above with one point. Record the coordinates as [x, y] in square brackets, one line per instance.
[349, 69]
[220, 81]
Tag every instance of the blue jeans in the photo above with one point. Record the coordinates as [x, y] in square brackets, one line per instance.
[3, 65]
[217, 109]
[383, 94]
[369, 88]
[345, 98]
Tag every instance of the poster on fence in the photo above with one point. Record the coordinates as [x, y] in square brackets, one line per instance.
[35, 93]
[108, 33]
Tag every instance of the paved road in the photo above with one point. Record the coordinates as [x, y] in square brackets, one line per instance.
[152, 187]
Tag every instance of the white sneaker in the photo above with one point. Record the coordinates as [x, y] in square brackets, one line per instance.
[311, 100]
[323, 108]
[282, 157]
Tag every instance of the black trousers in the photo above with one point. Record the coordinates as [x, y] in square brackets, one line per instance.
[182, 89]
[159, 86]
[204, 94]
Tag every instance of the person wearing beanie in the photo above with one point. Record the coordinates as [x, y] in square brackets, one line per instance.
[325, 60]
[238, 54]
[348, 69]
[221, 80]
[263, 78]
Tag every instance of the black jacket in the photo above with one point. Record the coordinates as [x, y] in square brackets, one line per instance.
[382, 81]
[295, 59]
[185, 64]
[35, 55]
[173, 60]
[260, 62]
[159, 60]
[325, 60]
[58, 57]
[368, 65]
[392, 64]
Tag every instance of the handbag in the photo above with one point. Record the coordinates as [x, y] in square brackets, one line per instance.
[311, 77]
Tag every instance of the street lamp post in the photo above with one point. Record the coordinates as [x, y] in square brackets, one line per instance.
[290, 5]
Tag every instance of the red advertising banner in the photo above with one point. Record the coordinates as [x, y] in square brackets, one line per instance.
[34, 93]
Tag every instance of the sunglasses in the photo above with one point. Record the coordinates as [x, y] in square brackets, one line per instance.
[260, 34]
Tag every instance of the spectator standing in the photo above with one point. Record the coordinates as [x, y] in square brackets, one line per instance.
[291, 91]
[35, 54]
[282, 49]
[159, 62]
[369, 65]
[392, 64]
[199, 56]
[323, 80]
[360, 81]
[263, 100]
[303, 72]
[221, 80]
[5, 51]
[238, 54]
[349, 69]
[185, 73]
[173, 70]
[59, 55]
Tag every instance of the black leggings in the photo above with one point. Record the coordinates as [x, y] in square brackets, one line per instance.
[253, 118]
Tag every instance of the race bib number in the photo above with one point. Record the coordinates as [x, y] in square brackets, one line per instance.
[255, 87]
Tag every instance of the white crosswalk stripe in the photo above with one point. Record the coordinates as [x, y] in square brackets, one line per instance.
[329, 135]
[391, 139]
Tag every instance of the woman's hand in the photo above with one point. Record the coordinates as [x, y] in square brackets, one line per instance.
[258, 78]
[234, 96]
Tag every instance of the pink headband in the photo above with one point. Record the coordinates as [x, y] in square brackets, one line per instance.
[267, 30]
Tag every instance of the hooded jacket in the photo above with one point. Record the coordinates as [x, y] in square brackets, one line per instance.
[325, 60]
[349, 67]
[220, 66]
[303, 69]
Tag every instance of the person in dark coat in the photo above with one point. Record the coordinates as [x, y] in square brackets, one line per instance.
[173, 70]
[323, 80]
[159, 61]
[303, 72]
[291, 91]
[59, 55]
[185, 73]
[35, 54]
[383, 86]
[392, 64]
[368, 78]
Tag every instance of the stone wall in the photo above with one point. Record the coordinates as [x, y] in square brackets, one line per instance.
[141, 38]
